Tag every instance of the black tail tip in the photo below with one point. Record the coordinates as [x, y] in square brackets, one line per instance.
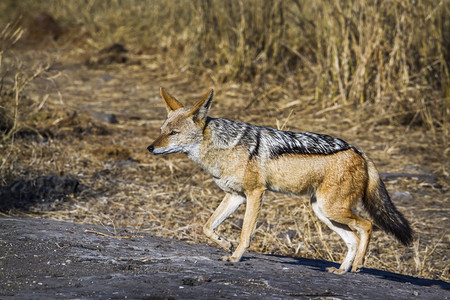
[407, 239]
[404, 234]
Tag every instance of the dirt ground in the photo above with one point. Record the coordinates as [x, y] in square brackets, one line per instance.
[44, 259]
[89, 115]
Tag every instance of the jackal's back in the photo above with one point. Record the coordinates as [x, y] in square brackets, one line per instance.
[264, 141]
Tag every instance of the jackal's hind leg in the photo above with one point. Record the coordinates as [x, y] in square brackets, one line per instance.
[345, 232]
[228, 205]
[364, 230]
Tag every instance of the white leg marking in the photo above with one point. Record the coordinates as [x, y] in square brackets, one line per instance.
[348, 236]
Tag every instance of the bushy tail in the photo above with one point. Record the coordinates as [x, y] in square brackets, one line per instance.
[380, 207]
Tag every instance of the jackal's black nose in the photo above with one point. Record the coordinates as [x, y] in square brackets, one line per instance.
[150, 148]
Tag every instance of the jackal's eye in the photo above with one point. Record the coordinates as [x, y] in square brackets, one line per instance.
[173, 132]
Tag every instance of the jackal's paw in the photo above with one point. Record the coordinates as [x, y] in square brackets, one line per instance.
[227, 246]
[230, 258]
[357, 269]
[335, 270]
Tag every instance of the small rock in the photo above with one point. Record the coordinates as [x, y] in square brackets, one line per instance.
[107, 77]
[415, 169]
[43, 26]
[104, 117]
[401, 196]
[114, 54]
[114, 48]
[189, 281]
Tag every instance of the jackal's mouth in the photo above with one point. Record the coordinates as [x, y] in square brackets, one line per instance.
[160, 151]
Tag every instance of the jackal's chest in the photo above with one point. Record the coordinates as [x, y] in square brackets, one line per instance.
[229, 184]
[227, 167]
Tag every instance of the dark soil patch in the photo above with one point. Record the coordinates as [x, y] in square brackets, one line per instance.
[38, 193]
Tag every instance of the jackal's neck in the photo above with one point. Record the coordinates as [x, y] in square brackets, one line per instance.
[218, 138]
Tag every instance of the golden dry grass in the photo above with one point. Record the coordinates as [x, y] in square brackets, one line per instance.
[374, 76]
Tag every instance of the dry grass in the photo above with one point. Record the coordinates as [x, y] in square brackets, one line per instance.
[391, 54]
[376, 76]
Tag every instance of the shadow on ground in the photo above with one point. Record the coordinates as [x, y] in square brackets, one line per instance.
[322, 265]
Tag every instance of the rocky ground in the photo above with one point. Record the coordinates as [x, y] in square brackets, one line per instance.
[45, 259]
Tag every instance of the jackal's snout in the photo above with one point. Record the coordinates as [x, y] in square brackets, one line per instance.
[150, 149]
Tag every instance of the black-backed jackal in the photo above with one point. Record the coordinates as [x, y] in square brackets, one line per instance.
[246, 160]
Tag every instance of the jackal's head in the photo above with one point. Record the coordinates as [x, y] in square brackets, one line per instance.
[182, 132]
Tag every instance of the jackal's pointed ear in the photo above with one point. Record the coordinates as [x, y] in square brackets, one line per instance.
[171, 102]
[201, 108]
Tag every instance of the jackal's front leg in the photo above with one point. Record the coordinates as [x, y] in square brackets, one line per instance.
[254, 199]
[228, 205]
